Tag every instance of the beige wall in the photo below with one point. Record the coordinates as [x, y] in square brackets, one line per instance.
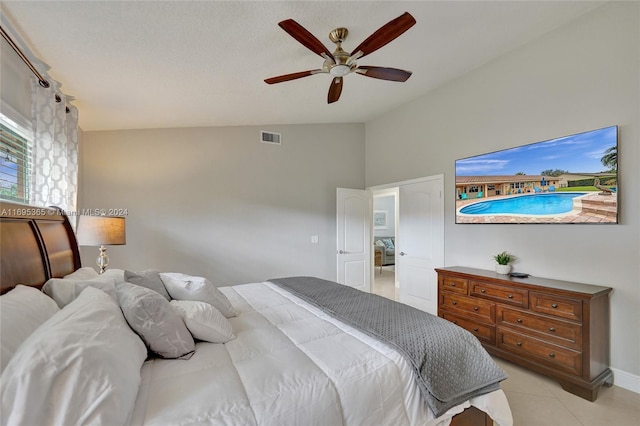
[580, 77]
[219, 203]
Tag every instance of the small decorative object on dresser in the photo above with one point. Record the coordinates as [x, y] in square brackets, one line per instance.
[557, 328]
[503, 262]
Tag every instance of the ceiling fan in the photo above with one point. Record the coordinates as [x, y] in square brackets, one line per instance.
[341, 63]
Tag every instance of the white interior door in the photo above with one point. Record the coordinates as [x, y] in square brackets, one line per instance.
[420, 243]
[354, 208]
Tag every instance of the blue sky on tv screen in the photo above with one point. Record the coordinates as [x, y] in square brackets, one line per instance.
[579, 153]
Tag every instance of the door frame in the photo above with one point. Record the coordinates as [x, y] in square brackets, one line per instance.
[395, 191]
[388, 186]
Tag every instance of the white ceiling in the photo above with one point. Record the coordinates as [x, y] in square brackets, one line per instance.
[155, 64]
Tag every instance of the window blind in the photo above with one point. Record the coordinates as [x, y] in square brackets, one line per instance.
[15, 159]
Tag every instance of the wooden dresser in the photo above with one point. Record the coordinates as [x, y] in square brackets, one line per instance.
[557, 328]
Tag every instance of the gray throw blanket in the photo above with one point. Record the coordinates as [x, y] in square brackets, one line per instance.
[449, 363]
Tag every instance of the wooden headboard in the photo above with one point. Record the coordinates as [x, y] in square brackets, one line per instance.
[36, 244]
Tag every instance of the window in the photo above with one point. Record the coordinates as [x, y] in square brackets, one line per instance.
[15, 160]
[516, 185]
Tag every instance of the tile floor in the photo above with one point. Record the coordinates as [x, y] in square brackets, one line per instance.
[383, 284]
[536, 400]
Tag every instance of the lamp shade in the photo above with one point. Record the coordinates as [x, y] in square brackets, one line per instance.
[101, 230]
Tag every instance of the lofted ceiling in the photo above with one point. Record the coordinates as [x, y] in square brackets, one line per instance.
[158, 64]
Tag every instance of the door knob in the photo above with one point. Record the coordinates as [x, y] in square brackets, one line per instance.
[403, 253]
[342, 252]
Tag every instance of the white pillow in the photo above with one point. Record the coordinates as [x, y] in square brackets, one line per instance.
[150, 315]
[64, 290]
[204, 321]
[81, 367]
[84, 273]
[185, 287]
[22, 311]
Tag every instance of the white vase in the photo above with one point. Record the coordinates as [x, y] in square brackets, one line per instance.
[503, 269]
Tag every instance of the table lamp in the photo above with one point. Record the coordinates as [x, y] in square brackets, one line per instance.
[101, 231]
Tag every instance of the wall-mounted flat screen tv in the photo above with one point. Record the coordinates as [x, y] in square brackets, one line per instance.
[571, 179]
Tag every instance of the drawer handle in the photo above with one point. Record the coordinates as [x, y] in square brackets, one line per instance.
[454, 303]
[510, 296]
[475, 329]
[552, 355]
[475, 308]
[454, 321]
[453, 284]
[483, 291]
[555, 305]
[552, 329]
[519, 320]
[519, 343]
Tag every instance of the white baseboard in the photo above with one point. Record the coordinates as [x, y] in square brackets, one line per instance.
[626, 380]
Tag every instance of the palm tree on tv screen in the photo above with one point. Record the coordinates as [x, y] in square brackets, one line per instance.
[610, 158]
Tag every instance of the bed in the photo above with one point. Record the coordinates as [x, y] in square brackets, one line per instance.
[289, 363]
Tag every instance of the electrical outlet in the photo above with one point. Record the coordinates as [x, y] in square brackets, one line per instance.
[314, 239]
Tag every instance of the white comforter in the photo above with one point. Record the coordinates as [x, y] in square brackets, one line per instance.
[290, 364]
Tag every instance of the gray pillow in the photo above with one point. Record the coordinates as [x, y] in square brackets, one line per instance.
[149, 279]
[155, 321]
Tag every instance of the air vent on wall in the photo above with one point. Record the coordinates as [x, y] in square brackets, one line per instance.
[271, 137]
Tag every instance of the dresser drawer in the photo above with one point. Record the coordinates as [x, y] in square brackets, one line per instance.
[558, 306]
[482, 310]
[456, 285]
[500, 293]
[547, 353]
[555, 331]
[484, 333]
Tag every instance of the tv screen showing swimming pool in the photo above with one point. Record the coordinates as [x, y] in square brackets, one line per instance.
[571, 179]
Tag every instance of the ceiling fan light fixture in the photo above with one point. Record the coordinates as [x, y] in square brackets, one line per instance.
[340, 63]
[340, 70]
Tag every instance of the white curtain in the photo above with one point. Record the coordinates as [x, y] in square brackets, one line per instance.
[54, 169]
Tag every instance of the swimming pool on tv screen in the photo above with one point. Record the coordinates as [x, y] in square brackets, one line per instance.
[534, 204]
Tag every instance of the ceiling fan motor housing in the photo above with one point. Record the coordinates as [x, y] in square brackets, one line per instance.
[341, 66]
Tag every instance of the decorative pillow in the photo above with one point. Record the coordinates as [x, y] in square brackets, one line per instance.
[388, 243]
[152, 317]
[204, 321]
[80, 367]
[149, 279]
[64, 290]
[84, 273]
[185, 287]
[22, 311]
[380, 243]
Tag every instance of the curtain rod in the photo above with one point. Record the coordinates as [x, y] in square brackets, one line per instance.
[43, 82]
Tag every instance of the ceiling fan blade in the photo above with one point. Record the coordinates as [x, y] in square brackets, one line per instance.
[292, 76]
[392, 74]
[334, 90]
[385, 34]
[303, 36]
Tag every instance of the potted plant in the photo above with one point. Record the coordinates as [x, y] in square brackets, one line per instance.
[503, 262]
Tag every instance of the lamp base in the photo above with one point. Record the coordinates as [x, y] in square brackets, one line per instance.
[102, 260]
